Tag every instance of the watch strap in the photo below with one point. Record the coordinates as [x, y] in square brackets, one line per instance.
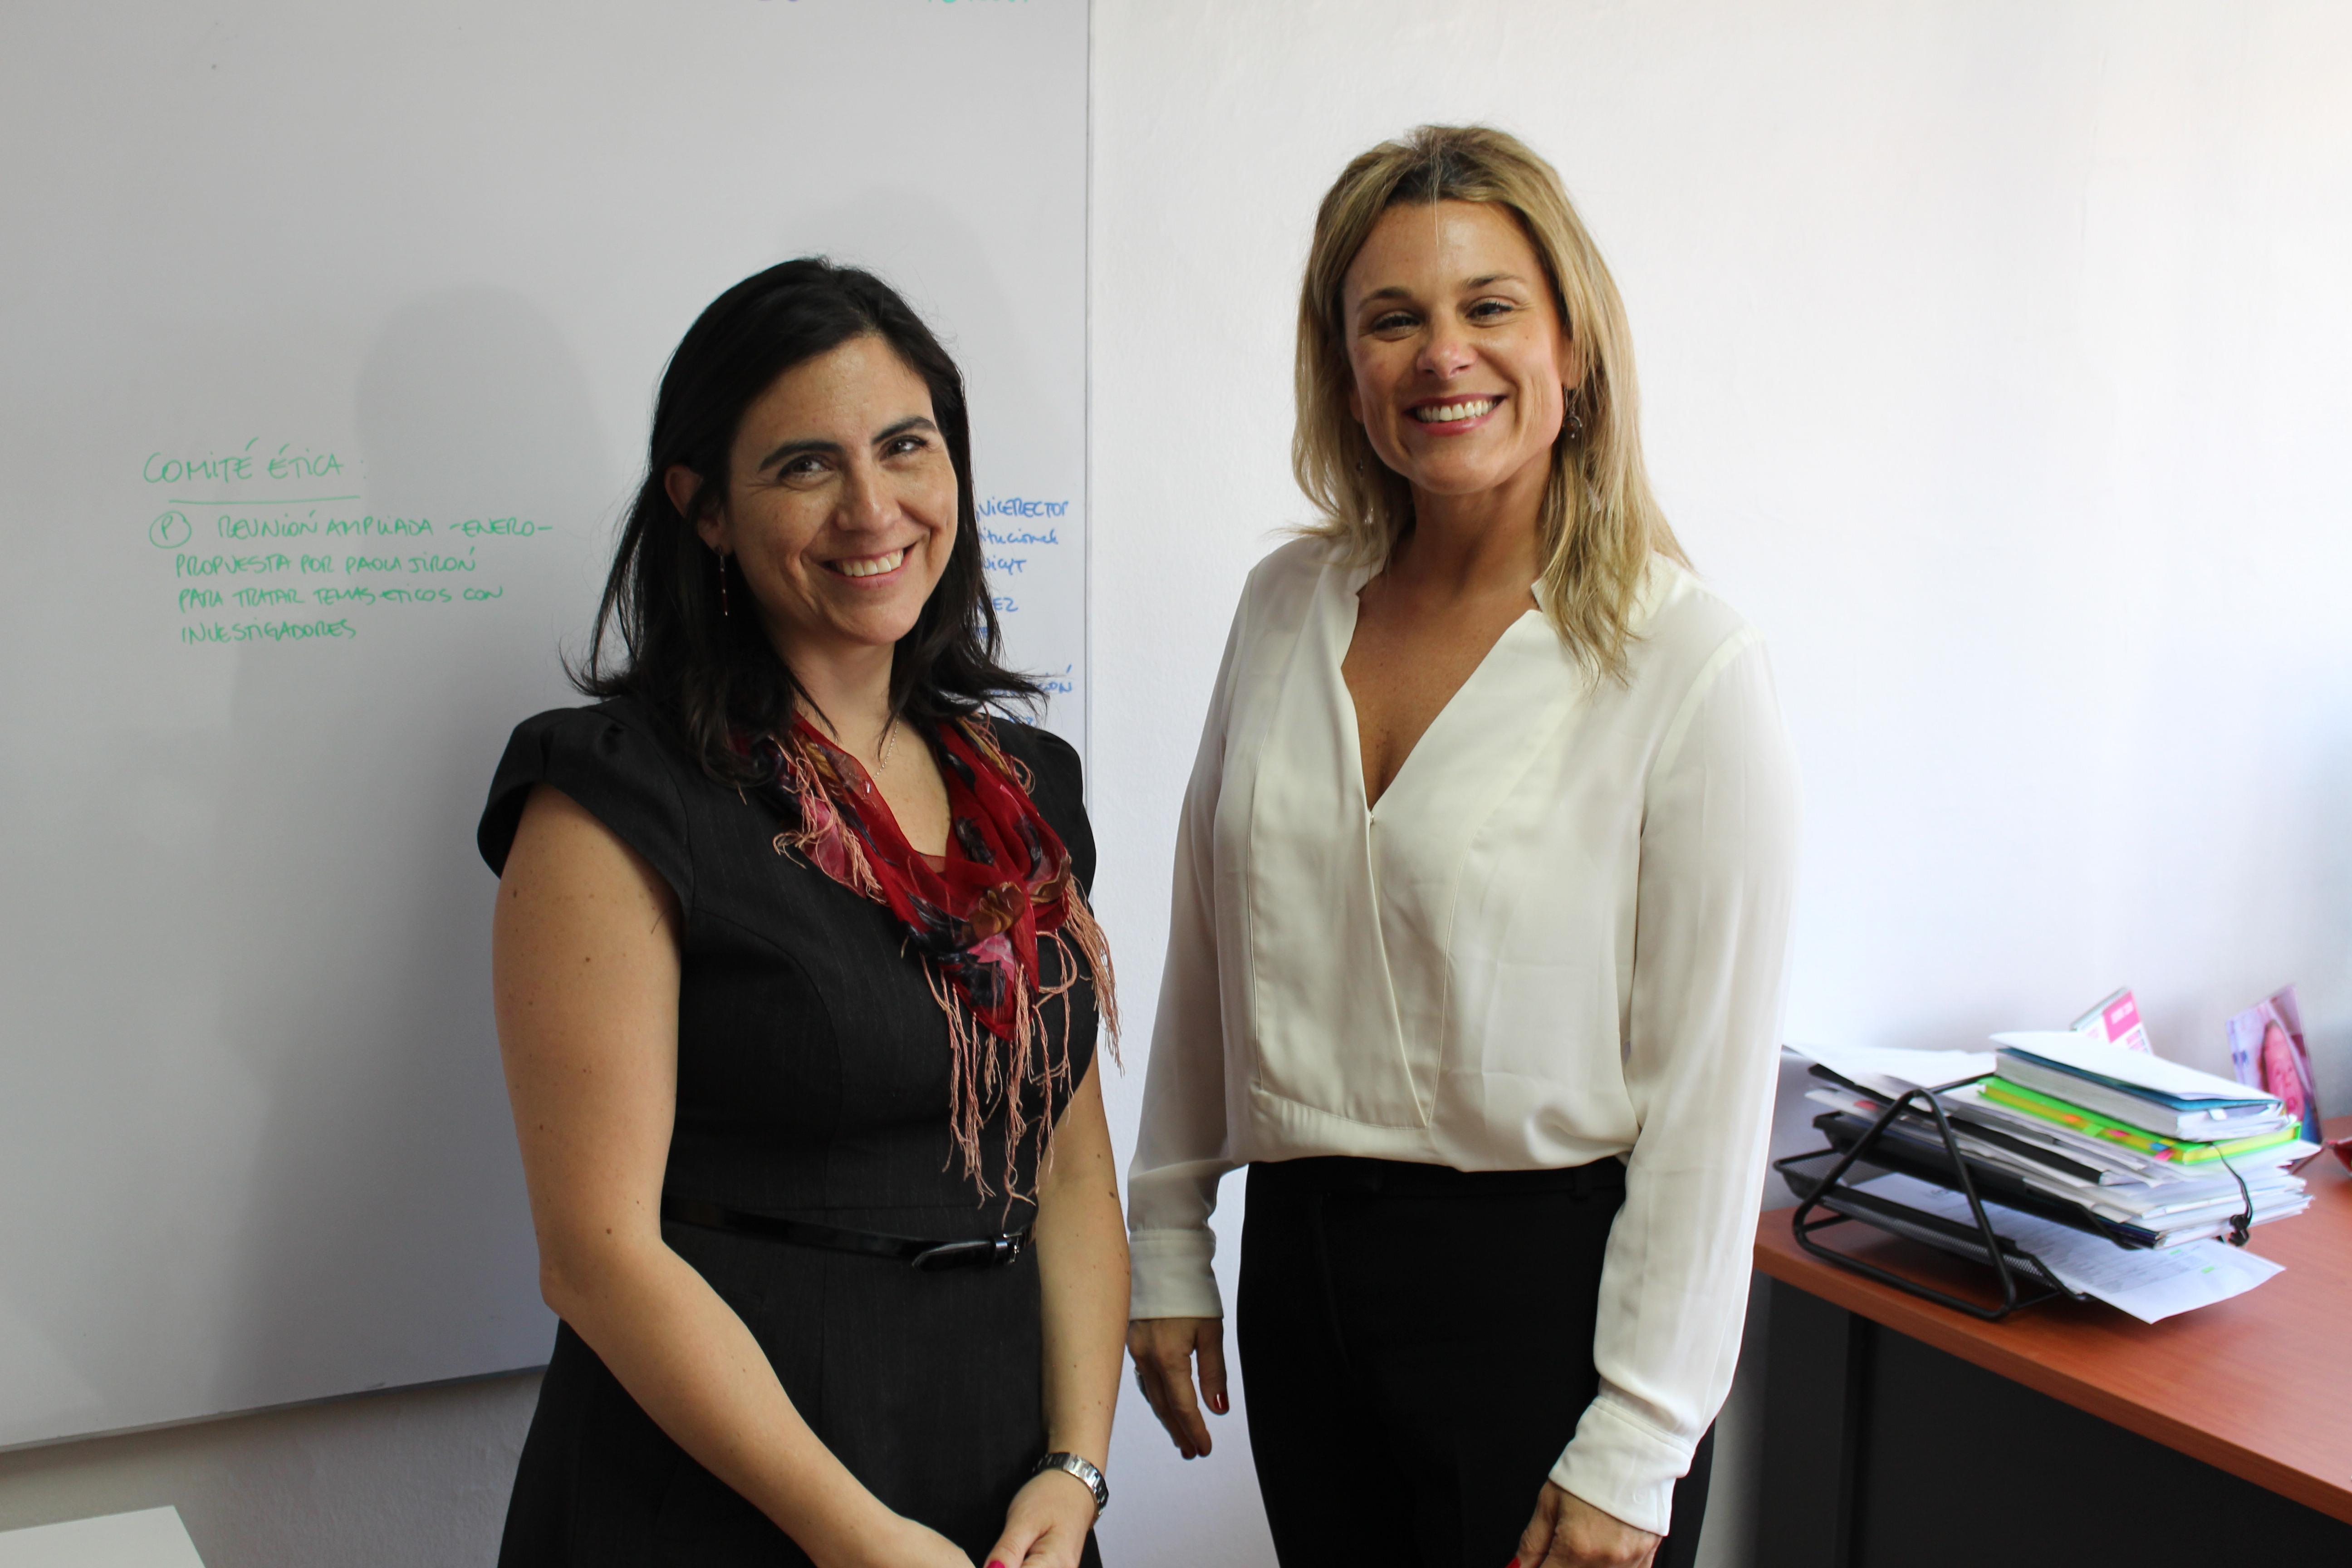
[1082, 1468]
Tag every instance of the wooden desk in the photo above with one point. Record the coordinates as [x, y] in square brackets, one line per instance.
[1888, 1447]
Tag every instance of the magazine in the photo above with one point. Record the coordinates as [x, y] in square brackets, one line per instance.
[2267, 1052]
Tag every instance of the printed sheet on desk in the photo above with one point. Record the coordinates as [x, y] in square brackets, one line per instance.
[1892, 1072]
[2150, 1284]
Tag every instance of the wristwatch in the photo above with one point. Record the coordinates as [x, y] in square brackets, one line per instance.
[1084, 1470]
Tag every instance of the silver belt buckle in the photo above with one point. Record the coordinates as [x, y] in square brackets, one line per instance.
[988, 1252]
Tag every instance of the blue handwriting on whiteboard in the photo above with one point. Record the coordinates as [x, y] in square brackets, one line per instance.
[1017, 506]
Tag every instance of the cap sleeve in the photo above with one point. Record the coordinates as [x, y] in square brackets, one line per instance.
[1058, 786]
[621, 773]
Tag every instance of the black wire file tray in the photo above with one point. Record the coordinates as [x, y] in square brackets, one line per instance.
[1896, 1142]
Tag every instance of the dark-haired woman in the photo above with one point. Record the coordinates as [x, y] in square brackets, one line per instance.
[797, 993]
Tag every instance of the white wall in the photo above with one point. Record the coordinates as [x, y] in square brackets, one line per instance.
[1993, 355]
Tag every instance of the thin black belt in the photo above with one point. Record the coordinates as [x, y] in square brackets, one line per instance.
[981, 1252]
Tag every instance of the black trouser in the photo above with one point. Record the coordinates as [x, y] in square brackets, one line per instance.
[1416, 1346]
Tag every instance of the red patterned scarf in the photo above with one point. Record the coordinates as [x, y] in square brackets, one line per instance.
[976, 916]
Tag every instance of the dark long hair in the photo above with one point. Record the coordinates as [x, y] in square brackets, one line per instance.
[713, 676]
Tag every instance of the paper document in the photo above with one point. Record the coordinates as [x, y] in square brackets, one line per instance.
[1895, 1072]
[2138, 1068]
[2151, 1284]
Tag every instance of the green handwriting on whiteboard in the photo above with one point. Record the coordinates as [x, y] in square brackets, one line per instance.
[246, 464]
[256, 567]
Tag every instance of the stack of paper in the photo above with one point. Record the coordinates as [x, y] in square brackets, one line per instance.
[2138, 1089]
[2196, 1149]
[2087, 1134]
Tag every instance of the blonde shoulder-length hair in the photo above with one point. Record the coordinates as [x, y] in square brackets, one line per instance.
[1601, 525]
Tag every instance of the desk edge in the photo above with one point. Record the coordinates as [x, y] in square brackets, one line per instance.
[1923, 1322]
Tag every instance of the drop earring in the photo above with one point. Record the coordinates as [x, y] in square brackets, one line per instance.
[723, 611]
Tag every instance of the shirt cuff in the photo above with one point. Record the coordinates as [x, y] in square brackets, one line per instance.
[1175, 1274]
[1624, 1465]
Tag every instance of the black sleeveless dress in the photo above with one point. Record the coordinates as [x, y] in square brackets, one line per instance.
[812, 1083]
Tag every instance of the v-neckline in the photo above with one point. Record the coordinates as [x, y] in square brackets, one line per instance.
[881, 803]
[1351, 611]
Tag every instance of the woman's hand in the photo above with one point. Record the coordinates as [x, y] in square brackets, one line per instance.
[1570, 1532]
[1046, 1525]
[892, 1541]
[1163, 1349]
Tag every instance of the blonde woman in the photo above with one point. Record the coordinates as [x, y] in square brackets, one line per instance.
[1481, 894]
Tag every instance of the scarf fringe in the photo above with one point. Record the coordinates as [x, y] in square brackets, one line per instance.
[822, 838]
[983, 736]
[981, 1079]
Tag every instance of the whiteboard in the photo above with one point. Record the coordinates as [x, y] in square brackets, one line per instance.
[285, 282]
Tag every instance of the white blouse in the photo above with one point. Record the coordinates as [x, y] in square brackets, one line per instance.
[1558, 938]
